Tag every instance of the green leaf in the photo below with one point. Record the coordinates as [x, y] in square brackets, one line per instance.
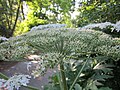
[105, 88]
[102, 77]
[78, 87]
[93, 87]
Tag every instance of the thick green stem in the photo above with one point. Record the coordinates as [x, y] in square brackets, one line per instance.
[59, 79]
[63, 77]
[78, 76]
[3, 76]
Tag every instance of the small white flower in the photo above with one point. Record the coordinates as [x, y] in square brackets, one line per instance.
[29, 65]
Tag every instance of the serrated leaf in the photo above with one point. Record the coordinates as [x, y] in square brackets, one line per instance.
[105, 88]
[93, 87]
[105, 68]
[102, 77]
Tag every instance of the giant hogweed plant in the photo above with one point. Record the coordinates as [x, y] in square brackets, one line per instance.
[58, 47]
[78, 40]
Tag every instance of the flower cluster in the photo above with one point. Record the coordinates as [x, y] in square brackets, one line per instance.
[47, 27]
[15, 82]
[2, 39]
[40, 68]
[104, 25]
[54, 43]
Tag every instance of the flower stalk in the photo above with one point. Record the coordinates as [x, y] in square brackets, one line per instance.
[63, 76]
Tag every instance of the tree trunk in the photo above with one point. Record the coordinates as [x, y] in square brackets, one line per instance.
[17, 15]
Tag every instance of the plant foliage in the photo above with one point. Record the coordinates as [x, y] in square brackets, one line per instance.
[74, 52]
[99, 11]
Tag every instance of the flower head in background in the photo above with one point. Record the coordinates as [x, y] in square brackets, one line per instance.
[104, 25]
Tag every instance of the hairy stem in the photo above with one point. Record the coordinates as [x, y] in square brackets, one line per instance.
[59, 79]
[63, 77]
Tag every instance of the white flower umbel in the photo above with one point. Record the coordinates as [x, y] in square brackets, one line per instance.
[48, 42]
[47, 27]
[15, 82]
[104, 25]
[99, 25]
[3, 39]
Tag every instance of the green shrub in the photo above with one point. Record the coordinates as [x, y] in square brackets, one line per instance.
[28, 23]
[99, 11]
